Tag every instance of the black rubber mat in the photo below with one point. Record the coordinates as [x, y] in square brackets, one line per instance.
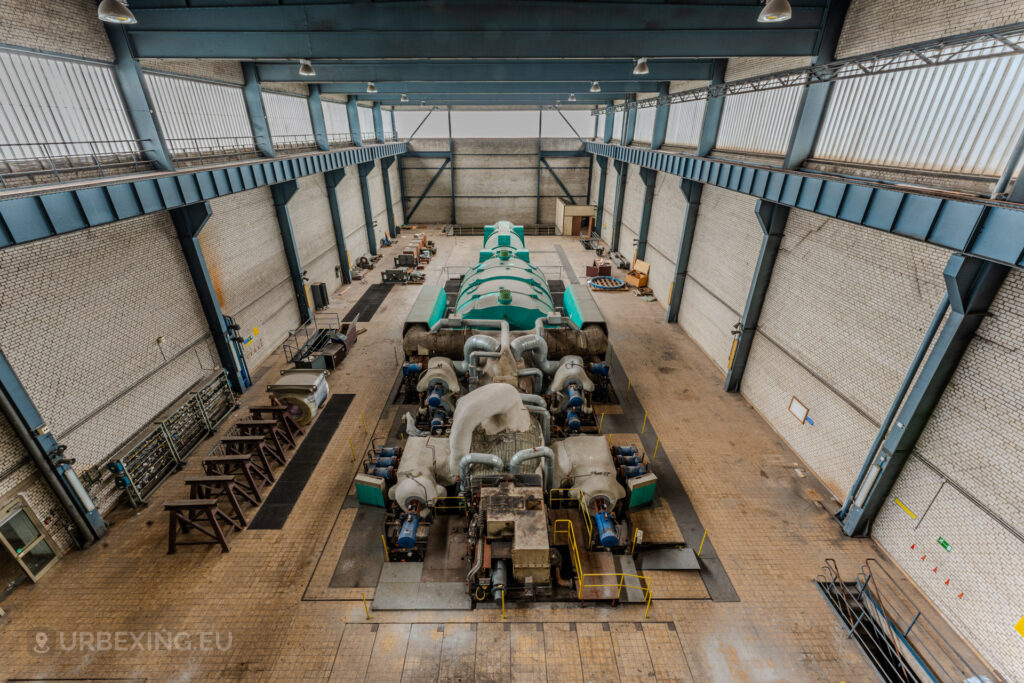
[570, 274]
[369, 302]
[293, 478]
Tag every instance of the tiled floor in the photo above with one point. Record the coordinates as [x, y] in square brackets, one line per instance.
[263, 612]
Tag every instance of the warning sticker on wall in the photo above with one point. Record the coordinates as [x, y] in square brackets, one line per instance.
[1020, 627]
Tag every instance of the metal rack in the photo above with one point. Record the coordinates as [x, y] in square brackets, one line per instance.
[140, 467]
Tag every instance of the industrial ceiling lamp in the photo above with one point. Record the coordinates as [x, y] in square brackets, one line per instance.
[572, 97]
[306, 68]
[405, 98]
[641, 68]
[116, 12]
[774, 11]
[595, 86]
[370, 87]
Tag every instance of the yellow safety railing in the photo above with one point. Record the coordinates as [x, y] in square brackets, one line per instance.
[566, 495]
[450, 504]
[643, 582]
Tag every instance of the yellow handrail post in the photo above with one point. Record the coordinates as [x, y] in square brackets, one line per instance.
[656, 444]
[365, 430]
[365, 607]
[503, 604]
[350, 445]
[632, 549]
[600, 424]
[705, 537]
[387, 556]
[644, 425]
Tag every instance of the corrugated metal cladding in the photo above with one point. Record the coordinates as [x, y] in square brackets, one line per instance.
[366, 121]
[66, 102]
[389, 128]
[759, 121]
[336, 118]
[599, 125]
[684, 123]
[617, 126]
[644, 124]
[955, 118]
[200, 115]
[288, 118]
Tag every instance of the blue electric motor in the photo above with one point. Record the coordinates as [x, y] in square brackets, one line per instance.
[434, 395]
[624, 450]
[572, 421]
[386, 451]
[629, 460]
[411, 368]
[382, 472]
[600, 369]
[606, 529]
[575, 395]
[385, 462]
[630, 472]
[407, 534]
[437, 420]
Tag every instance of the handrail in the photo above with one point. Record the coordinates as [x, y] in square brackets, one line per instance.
[644, 582]
[583, 508]
[443, 504]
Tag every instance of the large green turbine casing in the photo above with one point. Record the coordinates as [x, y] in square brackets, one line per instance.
[504, 285]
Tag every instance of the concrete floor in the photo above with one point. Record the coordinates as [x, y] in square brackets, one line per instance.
[268, 612]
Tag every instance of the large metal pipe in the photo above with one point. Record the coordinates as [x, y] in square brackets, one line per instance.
[545, 421]
[883, 429]
[528, 454]
[36, 453]
[468, 459]
[478, 342]
[589, 342]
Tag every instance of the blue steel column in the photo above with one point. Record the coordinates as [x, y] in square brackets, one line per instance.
[378, 122]
[650, 178]
[660, 118]
[772, 218]
[971, 285]
[188, 222]
[609, 125]
[394, 126]
[283, 192]
[33, 431]
[712, 113]
[691, 192]
[316, 116]
[365, 169]
[621, 168]
[352, 107]
[385, 164]
[137, 100]
[602, 180]
[331, 179]
[629, 122]
[810, 114]
[257, 114]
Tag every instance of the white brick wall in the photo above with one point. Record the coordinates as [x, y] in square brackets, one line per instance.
[353, 219]
[632, 211]
[725, 248]
[849, 305]
[608, 217]
[396, 194]
[739, 68]
[663, 235]
[375, 182]
[245, 256]
[300, 89]
[69, 27]
[314, 231]
[879, 24]
[213, 69]
[79, 320]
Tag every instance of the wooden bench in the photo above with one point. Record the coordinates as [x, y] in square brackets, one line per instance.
[190, 514]
[254, 477]
[221, 487]
[281, 415]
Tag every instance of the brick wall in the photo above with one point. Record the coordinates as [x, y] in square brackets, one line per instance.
[245, 256]
[69, 27]
[214, 69]
[378, 206]
[725, 248]
[300, 89]
[739, 68]
[663, 234]
[608, 215]
[396, 193]
[80, 316]
[314, 232]
[353, 219]
[632, 210]
[876, 25]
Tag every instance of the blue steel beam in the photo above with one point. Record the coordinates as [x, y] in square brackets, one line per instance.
[459, 30]
[772, 219]
[38, 213]
[621, 169]
[629, 123]
[316, 117]
[565, 190]
[282, 193]
[254, 107]
[554, 88]
[188, 222]
[426, 190]
[660, 119]
[691, 192]
[650, 179]
[971, 285]
[364, 187]
[331, 180]
[424, 72]
[137, 100]
[609, 125]
[602, 181]
[354, 130]
[385, 164]
[378, 122]
[29, 425]
[945, 220]
[585, 101]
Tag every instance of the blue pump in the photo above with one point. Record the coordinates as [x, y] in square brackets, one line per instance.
[434, 395]
[575, 395]
[624, 450]
[630, 472]
[382, 472]
[606, 529]
[407, 534]
[411, 368]
[572, 421]
[629, 460]
[437, 420]
[384, 462]
[601, 369]
[386, 451]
